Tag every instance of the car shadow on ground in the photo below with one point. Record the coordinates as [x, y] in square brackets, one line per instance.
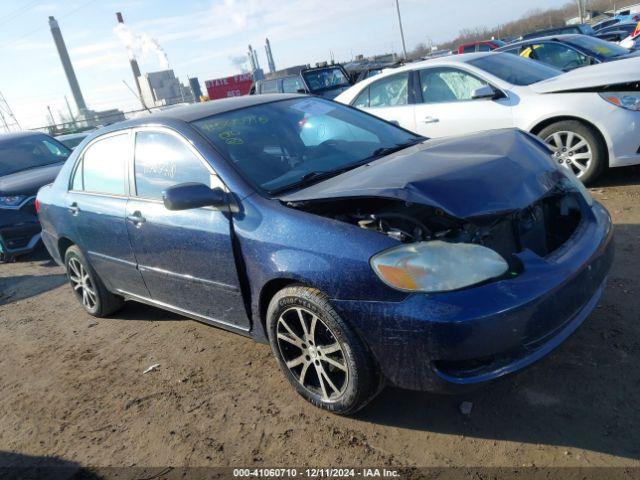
[20, 287]
[618, 177]
[17, 466]
[584, 395]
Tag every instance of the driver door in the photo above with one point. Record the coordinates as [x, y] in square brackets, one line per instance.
[446, 105]
[186, 257]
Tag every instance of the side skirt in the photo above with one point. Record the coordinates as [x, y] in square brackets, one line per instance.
[194, 316]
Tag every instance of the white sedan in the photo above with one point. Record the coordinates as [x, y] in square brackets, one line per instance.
[589, 116]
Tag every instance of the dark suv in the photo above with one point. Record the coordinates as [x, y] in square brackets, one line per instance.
[327, 81]
[28, 160]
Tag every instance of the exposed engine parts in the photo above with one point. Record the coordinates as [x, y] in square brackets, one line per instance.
[542, 227]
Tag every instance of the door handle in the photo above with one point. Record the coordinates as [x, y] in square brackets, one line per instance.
[74, 209]
[430, 120]
[136, 218]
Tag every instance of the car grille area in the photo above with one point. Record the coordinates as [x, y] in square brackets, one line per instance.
[542, 227]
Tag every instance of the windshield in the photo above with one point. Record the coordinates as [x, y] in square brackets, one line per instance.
[599, 47]
[281, 145]
[514, 69]
[325, 78]
[22, 153]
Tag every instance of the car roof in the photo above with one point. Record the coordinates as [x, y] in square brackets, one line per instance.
[560, 38]
[24, 134]
[197, 111]
[430, 62]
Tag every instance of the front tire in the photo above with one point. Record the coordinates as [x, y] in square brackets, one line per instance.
[577, 147]
[320, 355]
[87, 286]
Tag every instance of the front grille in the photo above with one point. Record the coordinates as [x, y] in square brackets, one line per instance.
[542, 227]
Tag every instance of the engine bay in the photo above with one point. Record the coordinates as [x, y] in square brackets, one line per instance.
[541, 227]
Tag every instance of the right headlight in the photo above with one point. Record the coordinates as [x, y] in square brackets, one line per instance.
[437, 266]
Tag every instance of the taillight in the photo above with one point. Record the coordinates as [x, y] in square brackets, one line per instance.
[36, 204]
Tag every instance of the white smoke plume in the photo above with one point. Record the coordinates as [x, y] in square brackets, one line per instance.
[240, 62]
[143, 44]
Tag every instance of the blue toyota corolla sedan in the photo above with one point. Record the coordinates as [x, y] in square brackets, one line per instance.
[362, 253]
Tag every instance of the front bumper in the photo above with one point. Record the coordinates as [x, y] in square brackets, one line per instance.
[19, 233]
[442, 342]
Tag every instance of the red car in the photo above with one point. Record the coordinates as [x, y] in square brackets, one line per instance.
[483, 46]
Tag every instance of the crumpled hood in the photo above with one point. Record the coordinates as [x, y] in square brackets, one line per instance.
[27, 182]
[480, 174]
[610, 73]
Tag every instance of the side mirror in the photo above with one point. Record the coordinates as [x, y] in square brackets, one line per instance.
[486, 92]
[302, 90]
[186, 196]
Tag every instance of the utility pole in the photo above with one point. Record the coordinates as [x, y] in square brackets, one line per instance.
[404, 47]
[581, 10]
[53, 121]
[73, 119]
[9, 120]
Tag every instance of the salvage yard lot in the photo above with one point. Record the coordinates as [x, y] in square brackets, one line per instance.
[73, 387]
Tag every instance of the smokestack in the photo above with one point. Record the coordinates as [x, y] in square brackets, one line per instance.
[134, 64]
[253, 59]
[66, 64]
[270, 62]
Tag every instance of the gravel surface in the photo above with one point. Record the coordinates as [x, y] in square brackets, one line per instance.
[73, 387]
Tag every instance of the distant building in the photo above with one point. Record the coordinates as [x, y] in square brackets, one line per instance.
[163, 88]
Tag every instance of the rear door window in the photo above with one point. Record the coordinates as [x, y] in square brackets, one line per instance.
[163, 160]
[103, 166]
[391, 91]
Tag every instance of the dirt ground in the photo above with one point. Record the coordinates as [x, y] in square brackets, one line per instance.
[73, 387]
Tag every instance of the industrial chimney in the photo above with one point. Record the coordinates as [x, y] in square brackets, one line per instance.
[270, 62]
[66, 64]
[134, 64]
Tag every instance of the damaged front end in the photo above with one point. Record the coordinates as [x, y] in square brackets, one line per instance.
[541, 227]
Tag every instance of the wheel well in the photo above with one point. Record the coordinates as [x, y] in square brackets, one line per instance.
[545, 123]
[63, 244]
[268, 291]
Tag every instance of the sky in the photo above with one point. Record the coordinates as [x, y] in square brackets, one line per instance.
[208, 39]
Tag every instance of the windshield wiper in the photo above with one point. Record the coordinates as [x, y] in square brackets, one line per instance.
[382, 151]
[315, 176]
[318, 175]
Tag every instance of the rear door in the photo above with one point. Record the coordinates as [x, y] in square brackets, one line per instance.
[96, 203]
[390, 98]
[186, 257]
[447, 106]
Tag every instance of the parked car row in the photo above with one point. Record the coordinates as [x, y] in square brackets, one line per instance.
[586, 118]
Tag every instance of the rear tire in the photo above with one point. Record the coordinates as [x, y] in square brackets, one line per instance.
[578, 147]
[320, 355]
[87, 286]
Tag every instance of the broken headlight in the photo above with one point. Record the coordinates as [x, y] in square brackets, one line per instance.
[437, 266]
[578, 185]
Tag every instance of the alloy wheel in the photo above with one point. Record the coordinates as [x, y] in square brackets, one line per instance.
[312, 353]
[571, 151]
[81, 282]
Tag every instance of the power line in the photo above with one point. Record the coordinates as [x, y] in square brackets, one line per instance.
[17, 12]
[31, 32]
